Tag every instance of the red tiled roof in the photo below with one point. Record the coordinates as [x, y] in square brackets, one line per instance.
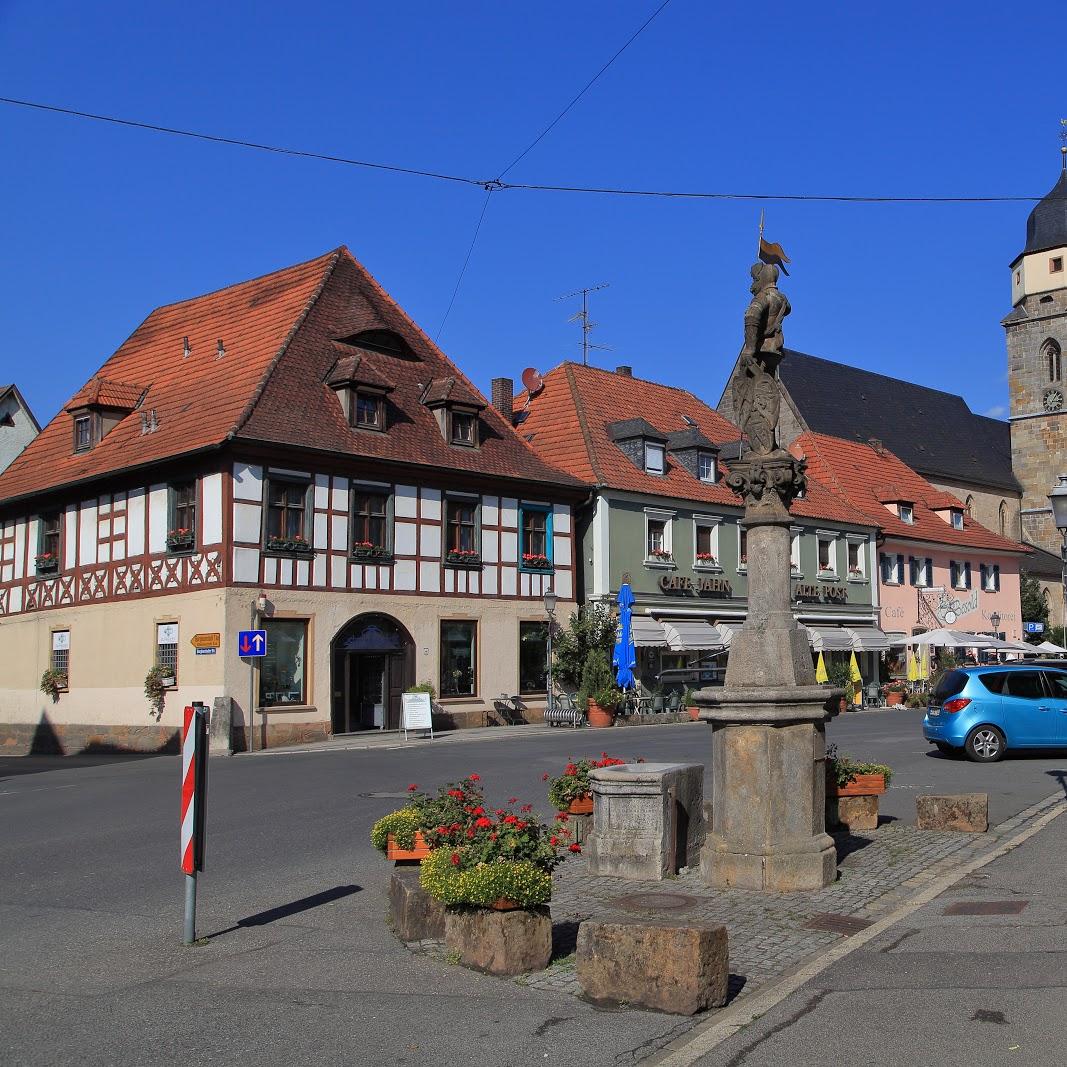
[102, 392]
[278, 333]
[567, 424]
[357, 367]
[442, 390]
[861, 474]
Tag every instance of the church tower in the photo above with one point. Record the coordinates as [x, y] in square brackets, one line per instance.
[1037, 362]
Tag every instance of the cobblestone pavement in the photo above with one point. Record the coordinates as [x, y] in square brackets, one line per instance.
[769, 935]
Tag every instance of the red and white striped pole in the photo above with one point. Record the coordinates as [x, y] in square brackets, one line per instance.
[194, 802]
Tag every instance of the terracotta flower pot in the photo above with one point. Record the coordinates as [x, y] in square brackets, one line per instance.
[600, 717]
[694, 713]
[505, 904]
[582, 805]
[418, 852]
[894, 698]
[863, 785]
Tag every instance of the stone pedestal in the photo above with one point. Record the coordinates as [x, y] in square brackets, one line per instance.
[676, 969]
[416, 916]
[500, 942]
[966, 812]
[852, 813]
[648, 819]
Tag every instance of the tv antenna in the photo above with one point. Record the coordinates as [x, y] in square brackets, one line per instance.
[587, 324]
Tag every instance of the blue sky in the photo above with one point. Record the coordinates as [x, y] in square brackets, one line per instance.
[101, 224]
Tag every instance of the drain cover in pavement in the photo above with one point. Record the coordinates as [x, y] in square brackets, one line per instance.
[838, 924]
[655, 902]
[986, 907]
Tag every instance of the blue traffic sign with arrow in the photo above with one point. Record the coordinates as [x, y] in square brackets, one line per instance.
[252, 642]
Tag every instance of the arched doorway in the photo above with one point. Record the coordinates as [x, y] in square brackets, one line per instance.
[372, 661]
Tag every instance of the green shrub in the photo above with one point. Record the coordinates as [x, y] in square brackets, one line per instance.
[423, 687]
[598, 683]
[478, 886]
[591, 630]
[401, 824]
[574, 781]
[844, 768]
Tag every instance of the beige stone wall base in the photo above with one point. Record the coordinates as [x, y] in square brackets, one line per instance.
[47, 738]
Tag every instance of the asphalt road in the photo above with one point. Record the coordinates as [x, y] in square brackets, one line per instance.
[299, 963]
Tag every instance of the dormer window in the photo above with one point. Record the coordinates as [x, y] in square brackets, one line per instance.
[369, 410]
[957, 519]
[83, 433]
[464, 428]
[906, 513]
[655, 455]
[706, 467]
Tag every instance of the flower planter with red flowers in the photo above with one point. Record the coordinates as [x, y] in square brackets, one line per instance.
[660, 555]
[295, 546]
[47, 563]
[852, 791]
[531, 561]
[582, 805]
[368, 551]
[181, 540]
[706, 559]
[894, 697]
[463, 557]
[398, 854]
[570, 791]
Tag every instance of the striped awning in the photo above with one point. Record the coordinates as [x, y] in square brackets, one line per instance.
[829, 638]
[867, 639]
[691, 635]
[727, 631]
[648, 633]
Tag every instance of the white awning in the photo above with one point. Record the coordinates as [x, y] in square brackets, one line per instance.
[867, 639]
[727, 631]
[690, 635]
[829, 638]
[648, 633]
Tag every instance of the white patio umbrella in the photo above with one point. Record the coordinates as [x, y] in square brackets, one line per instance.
[944, 638]
[1049, 646]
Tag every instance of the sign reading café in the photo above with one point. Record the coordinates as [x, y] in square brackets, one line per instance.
[682, 584]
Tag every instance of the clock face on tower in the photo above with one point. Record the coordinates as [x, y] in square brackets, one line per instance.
[1053, 399]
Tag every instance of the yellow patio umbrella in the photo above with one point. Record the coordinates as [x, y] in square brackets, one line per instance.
[820, 671]
[913, 665]
[924, 663]
[857, 680]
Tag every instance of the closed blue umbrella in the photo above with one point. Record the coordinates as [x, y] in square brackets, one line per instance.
[624, 658]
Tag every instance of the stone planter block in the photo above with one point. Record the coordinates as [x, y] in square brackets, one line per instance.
[966, 812]
[853, 813]
[675, 969]
[500, 942]
[648, 819]
[415, 914]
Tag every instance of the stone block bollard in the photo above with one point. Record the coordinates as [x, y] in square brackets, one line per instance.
[220, 727]
[675, 969]
[966, 812]
[415, 915]
[648, 819]
[500, 942]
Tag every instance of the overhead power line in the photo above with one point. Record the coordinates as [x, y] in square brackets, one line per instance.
[496, 185]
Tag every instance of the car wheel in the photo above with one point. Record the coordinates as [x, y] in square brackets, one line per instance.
[945, 748]
[985, 744]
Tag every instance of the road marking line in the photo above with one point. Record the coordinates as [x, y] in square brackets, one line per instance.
[703, 1038]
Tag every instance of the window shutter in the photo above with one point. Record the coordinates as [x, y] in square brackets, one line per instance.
[883, 564]
[996, 577]
[913, 568]
[967, 574]
[983, 575]
[929, 570]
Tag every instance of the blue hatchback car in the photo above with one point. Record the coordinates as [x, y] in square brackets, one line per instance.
[987, 710]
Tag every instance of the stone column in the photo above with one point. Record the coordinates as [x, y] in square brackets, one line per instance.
[768, 721]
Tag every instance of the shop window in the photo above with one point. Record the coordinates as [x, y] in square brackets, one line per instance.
[922, 571]
[533, 657]
[49, 543]
[655, 457]
[287, 510]
[181, 533]
[60, 660]
[167, 650]
[461, 531]
[459, 662]
[706, 543]
[282, 674]
[370, 524]
[535, 549]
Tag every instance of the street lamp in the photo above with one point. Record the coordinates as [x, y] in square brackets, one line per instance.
[550, 611]
[1058, 499]
[994, 621]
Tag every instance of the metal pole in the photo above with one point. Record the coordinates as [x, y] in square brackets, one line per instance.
[550, 702]
[189, 935]
[252, 688]
[1063, 582]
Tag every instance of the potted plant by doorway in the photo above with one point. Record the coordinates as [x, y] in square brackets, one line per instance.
[852, 790]
[894, 692]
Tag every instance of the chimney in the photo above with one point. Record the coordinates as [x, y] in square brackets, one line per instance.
[876, 444]
[503, 396]
[624, 371]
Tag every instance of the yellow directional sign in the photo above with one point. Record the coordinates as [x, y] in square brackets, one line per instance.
[207, 641]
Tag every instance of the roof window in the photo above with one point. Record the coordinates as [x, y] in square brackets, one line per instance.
[456, 406]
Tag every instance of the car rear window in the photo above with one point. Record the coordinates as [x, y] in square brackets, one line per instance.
[949, 685]
[1058, 682]
[993, 681]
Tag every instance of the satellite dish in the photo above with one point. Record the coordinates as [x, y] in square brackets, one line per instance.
[532, 380]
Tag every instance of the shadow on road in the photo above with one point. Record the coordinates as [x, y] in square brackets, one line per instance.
[295, 907]
[17, 766]
[1059, 776]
